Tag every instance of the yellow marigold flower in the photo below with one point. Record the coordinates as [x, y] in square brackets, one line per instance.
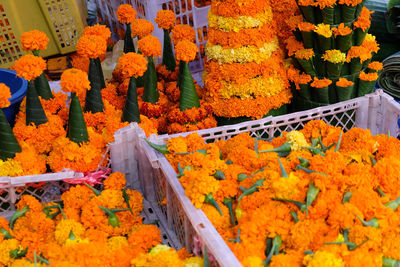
[5, 247]
[305, 54]
[320, 83]
[34, 40]
[296, 140]
[162, 255]
[194, 262]
[5, 95]
[150, 46]
[11, 168]
[341, 30]
[252, 261]
[183, 32]
[29, 67]
[132, 64]
[99, 30]
[91, 46]
[165, 19]
[368, 76]
[177, 145]
[343, 82]
[64, 228]
[375, 66]
[141, 28]
[324, 30]
[126, 14]
[115, 181]
[186, 51]
[74, 81]
[286, 188]
[323, 258]
[334, 56]
[117, 242]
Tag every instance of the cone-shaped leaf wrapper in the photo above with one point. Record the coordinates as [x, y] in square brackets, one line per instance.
[189, 97]
[34, 109]
[131, 109]
[100, 72]
[77, 131]
[168, 55]
[180, 72]
[345, 88]
[128, 42]
[308, 13]
[93, 101]
[348, 13]
[365, 87]
[150, 93]
[328, 15]
[42, 87]
[8, 143]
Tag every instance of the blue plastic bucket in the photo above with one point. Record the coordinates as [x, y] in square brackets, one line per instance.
[18, 88]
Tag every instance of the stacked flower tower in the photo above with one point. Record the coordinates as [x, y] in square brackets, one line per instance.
[332, 51]
[244, 74]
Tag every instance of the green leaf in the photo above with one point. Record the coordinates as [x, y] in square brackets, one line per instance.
[284, 174]
[299, 167]
[219, 175]
[387, 262]
[374, 222]
[282, 150]
[188, 98]
[209, 199]
[228, 202]
[77, 131]
[6, 234]
[304, 162]
[9, 145]
[17, 254]
[160, 148]
[312, 194]
[273, 247]
[206, 261]
[18, 214]
[394, 204]
[127, 198]
[168, 55]
[339, 142]
[252, 189]
[380, 192]
[128, 42]
[392, 3]
[97, 61]
[34, 109]
[131, 109]
[294, 216]
[94, 101]
[150, 93]
[42, 87]
[237, 240]
[112, 217]
[347, 196]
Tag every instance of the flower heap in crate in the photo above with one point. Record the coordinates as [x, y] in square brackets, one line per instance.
[87, 227]
[315, 197]
[244, 74]
[332, 51]
[167, 93]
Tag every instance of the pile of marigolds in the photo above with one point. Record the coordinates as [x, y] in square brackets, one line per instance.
[315, 197]
[86, 228]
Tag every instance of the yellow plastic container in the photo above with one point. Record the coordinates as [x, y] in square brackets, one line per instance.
[62, 21]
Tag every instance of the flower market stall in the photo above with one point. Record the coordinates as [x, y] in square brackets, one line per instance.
[188, 153]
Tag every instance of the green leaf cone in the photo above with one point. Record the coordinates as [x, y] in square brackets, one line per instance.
[100, 72]
[77, 131]
[322, 95]
[348, 13]
[8, 143]
[42, 87]
[328, 15]
[131, 109]
[189, 97]
[168, 55]
[150, 93]
[180, 71]
[365, 87]
[308, 13]
[34, 109]
[94, 101]
[128, 42]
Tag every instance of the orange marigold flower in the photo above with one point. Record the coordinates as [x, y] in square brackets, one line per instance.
[99, 30]
[307, 3]
[150, 46]
[31, 162]
[350, 2]
[29, 201]
[325, 3]
[29, 67]
[294, 21]
[341, 30]
[343, 82]
[34, 40]
[126, 14]
[186, 51]
[74, 81]
[320, 83]
[358, 52]
[92, 46]
[370, 44]
[5, 95]
[145, 236]
[165, 19]
[306, 27]
[142, 28]
[115, 181]
[368, 76]
[292, 45]
[364, 20]
[183, 32]
[305, 53]
[132, 64]
[80, 62]
[375, 66]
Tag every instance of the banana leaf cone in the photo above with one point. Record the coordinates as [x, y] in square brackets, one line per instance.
[150, 93]
[308, 13]
[355, 65]
[328, 15]
[34, 109]
[344, 43]
[324, 43]
[168, 55]
[297, 35]
[348, 13]
[305, 91]
[100, 72]
[307, 37]
[359, 8]
[366, 63]
[9, 145]
[77, 131]
[338, 14]
[188, 97]
[140, 79]
[345, 69]
[333, 69]
[128, 42]
[365, 87]
[345, 93]
[308, 66]
[42, 87]
[319, 65]
[94, 102]
[359, 36]
[180, 72]
[131, 109]
[321, 95]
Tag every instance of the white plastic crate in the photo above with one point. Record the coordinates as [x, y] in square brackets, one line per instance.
[157, 179]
